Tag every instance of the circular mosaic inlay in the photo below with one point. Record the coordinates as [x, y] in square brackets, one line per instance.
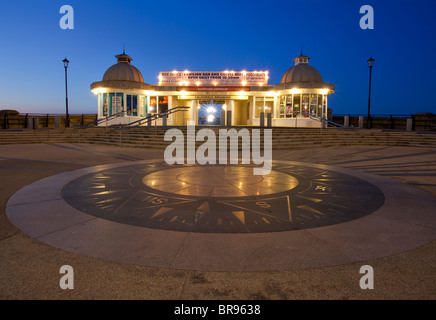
[219, 181]
[223, 199]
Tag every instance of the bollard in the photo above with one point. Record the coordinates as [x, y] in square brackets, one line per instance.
[223, 118]
[30, 122]
[262, 119]
[347, 121]
[409, 124]
[360, 122]
[269, 120]
[35, 122]
[229, 118]
[6, 121]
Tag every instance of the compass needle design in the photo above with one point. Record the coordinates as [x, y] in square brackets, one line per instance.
[240, 215]
[107, 200]
[201, 211]
[99, 186]
[309, 198]
[160, 211]
[307, 208]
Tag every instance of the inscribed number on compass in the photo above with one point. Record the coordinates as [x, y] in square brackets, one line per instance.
[263, 204]
[155, 200]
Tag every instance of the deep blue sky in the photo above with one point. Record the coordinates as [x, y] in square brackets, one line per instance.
[218, 35]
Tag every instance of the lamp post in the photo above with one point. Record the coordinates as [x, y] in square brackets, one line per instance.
[368, 121]
[67, 120]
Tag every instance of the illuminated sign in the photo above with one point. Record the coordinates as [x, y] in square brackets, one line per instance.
[213, 78]
[195, 97]
[212, 89]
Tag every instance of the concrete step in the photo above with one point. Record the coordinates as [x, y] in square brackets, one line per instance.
[281, 138]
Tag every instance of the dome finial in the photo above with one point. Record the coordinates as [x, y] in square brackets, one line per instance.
[301, 59]
[124, 49]
[123, 58]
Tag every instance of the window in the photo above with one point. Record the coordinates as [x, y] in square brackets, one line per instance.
[115, 103]
[263, 104]
[320, 110]
[313, 104]
[269, 105]
[305, 103]
[153, 105]
[282, 106]
[258, 106]
[105, 104]
[163, 104]
[132, 105]
[297, 104]
[142, 106]
[289, 106]
[324, 106]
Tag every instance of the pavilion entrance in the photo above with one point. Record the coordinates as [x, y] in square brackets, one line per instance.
[210, 112]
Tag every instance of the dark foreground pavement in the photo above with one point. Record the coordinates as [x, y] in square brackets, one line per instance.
[29, 269]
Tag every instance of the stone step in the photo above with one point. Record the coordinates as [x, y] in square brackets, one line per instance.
[281, 138]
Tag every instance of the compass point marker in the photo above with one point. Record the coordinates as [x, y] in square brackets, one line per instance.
[307, 208]
[160, 211]
[240, 215]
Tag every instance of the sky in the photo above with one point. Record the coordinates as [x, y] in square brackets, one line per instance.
[218, 35]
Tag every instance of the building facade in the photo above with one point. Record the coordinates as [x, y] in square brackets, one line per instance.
[238, 98]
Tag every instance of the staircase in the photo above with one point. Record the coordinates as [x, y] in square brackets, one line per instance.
[282, 138]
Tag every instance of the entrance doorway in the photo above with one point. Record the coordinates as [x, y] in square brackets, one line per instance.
[209, 113]
[132, 102]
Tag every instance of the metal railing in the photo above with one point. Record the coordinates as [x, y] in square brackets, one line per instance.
[324, 120]
[153, 117]
[148, 119]
[98, 121]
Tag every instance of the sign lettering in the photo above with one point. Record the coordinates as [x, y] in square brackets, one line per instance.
[213, 78]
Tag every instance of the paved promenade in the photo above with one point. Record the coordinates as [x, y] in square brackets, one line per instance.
[29, 268]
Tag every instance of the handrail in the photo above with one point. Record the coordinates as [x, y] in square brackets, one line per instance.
[386, 115]
[155, 116]
[324, 120]
[149, 118]
[107, 118]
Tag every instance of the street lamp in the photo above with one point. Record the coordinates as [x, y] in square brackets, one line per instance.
[368, 121]
[67, 120]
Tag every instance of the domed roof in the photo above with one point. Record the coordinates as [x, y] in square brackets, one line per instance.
[301, 71]
[123, 71]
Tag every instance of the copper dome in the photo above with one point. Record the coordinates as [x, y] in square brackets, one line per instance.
[301, 72]
[123, 71]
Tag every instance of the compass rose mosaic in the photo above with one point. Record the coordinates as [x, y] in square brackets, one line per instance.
[223, 199]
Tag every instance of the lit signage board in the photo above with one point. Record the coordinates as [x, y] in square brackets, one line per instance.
[194, 97]
[213, 78]
[212, 89]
